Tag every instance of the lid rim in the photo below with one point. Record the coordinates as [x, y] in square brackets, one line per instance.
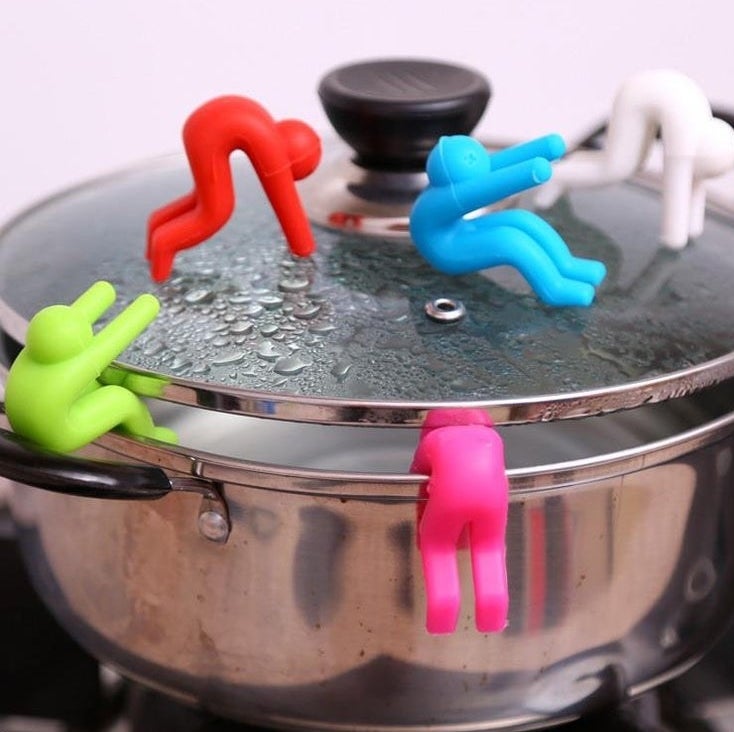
[386, 412]
[411, 413]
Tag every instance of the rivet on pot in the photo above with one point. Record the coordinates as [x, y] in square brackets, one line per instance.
[213, 526]
[445, 310]
[700, 581]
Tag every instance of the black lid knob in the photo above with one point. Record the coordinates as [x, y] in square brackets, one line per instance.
[392, 112]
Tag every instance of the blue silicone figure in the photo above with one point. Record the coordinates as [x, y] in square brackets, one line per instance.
[463, 177]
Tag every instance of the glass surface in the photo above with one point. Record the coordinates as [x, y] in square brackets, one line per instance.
[350, 323]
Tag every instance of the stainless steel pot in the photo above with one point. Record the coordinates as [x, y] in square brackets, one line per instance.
[273, 575]
[311, 614]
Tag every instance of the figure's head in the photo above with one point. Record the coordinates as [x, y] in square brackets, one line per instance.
[458, 417]
[457, 158]
[56, 334]
[715, 154]
[302, 145]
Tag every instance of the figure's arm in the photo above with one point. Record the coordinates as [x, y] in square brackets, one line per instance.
[117, 335]
[550, 147]
[283, 196]
[423, 458]
[484, 190]
[95, 301]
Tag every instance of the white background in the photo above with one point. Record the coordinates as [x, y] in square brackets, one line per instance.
[92, 85]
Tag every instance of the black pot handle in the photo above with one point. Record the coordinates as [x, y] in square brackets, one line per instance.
[24, 462]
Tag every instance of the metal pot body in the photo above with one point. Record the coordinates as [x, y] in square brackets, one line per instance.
[312, 614]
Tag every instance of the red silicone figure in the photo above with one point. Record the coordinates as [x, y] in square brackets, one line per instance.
[467, 488]
[281, 153]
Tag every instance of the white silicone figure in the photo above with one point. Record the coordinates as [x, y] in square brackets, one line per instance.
[696, 146]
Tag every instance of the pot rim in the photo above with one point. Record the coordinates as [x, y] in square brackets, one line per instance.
[524, 481]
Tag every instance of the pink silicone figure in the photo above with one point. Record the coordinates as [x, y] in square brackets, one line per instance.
[463, 456]
[281, 153]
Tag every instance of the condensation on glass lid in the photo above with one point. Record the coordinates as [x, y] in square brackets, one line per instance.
[350, 322]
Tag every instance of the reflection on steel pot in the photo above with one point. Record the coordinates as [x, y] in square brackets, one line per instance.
[273, 575]
[311, 615]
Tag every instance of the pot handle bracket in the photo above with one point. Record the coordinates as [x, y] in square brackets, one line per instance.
[22, 461]
[214, 522]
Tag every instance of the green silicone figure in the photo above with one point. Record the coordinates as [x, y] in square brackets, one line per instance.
[54, 395]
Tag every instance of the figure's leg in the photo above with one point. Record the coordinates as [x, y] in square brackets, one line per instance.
[698, 209]
[167, 213]
[574, 268]
[677, 203]
[489, 572]
[438, 540]
[215, 203]
[113, 406]
[482, 244]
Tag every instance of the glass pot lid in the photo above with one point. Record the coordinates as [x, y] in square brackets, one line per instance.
[344, 336]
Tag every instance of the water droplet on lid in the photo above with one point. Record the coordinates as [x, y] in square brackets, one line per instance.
[293, 284]
[153, 347]
[290, 365]
[253, 310]
[220, 341]
[199, 369]
[178, 365]
[341, 370]
[244, 326]
[269, 329]
[271, 351]
[240, 298]
[270, 301]
[195, 297]
[321, 328]
[230, 358]
[306, 311]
